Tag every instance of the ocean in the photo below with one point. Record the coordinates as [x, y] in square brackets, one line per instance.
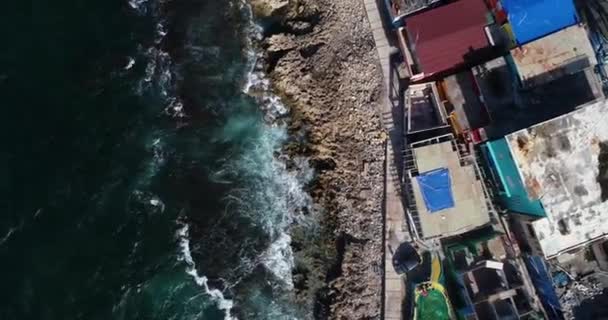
[142, 175]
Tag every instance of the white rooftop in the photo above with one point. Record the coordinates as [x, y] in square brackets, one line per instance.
[564, 163]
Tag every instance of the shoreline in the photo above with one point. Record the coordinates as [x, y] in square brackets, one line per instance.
[322, 61]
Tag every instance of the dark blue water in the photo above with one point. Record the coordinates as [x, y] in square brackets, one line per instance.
[138, 179]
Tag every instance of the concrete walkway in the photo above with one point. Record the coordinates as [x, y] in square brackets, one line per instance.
[382, 42]
[396, 230]
[395, 233]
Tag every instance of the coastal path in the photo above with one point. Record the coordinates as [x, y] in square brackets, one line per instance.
[391, 109]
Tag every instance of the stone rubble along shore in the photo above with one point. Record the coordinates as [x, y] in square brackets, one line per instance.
[321, 58]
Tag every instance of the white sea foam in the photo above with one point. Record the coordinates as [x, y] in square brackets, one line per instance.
[7, 236]
[130, 64]
[216, 295]
[137, 4]
[156, 202]
[279, 259]
[14, 229]
[161, 32]
[277, 192]
[274, 195]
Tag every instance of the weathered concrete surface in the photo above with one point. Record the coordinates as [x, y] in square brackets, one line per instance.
[392, 119]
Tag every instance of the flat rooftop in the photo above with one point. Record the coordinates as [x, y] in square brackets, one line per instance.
[563, 162]
[561, 53]
[511, 109]
[469, 209]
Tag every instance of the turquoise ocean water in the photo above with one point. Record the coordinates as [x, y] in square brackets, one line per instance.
[139, 178]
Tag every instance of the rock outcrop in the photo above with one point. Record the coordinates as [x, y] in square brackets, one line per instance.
[321, 57]
[269, 8]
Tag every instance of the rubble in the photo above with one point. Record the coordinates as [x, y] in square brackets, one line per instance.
[576, 292]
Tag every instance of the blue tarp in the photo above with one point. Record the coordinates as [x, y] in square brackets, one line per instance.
[533, 19]
[436, 189]
[544, 286]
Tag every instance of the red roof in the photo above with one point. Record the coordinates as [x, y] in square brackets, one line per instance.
[442, 36]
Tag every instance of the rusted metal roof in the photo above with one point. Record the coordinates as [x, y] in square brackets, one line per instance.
[546, 59]
[441, 37]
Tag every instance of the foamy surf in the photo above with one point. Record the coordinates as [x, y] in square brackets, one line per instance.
[137, 4]
[216, 295]
[279, 260]
[283, 195]
[268, 193]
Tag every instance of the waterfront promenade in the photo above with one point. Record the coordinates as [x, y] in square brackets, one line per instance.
[395, 226]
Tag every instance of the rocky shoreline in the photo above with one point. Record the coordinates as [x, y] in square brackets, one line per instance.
[321, 57]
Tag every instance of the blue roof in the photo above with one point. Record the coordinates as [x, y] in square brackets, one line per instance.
[533, 19]
[436, 187]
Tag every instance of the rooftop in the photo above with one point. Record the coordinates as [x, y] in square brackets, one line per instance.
[442, 37]
[425, 109]
[564, 163]
[463, 95]
[564, 52]
[511, 109]
[533, 19]
[486, 274]
[467, 207]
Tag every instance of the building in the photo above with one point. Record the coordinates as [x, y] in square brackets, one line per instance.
[509, 186]
[399, 9]
[553, 179]
[536, 82]
[464, 101]
[511, 107]
[426, 116]
[487, 281]
[531, 20]
[446, 194]
[446, 38]
[562, 53]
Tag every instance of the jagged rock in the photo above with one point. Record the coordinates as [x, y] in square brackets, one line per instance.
[305, 11]
[309, 50]
[280, 43]
[298, 27]
[270, 8]
[277, 46]
[323, 63]
[323, 163]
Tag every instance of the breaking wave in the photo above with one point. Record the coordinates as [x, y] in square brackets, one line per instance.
[267, 193]
[216, 295]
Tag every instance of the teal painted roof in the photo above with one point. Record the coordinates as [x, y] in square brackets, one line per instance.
[514, 196]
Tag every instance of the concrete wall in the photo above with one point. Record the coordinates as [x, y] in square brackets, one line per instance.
[521, 226]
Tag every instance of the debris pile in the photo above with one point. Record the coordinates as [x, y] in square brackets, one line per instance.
[573, 294]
